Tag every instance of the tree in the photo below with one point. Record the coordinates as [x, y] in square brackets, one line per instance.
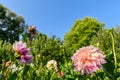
[104, 40]
[11, 25]
[81, 33]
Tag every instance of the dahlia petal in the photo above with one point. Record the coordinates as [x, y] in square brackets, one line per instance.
[24, 51]
[18, 45]
[88, 59]
[26, 59]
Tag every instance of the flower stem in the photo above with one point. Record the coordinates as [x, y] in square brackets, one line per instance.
[51, 78]
[113, 46]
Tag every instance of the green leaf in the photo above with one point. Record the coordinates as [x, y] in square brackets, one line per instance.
[2, 73]
[109, 67]
[25, 70]
[13, 76]
[115, 76]
[101, 75]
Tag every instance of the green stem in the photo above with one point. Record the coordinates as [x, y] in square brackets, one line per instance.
[29, 73]
[64, 52]
[113, 46]
[51, 78]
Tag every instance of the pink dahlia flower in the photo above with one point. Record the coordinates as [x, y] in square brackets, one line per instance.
[24, 51]
[60, 74]
[51, 64]
[32, 29]
[88, 59]
[26, 59]
[7, 63]
[18, 46]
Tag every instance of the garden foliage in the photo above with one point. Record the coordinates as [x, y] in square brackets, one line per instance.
[39, 57]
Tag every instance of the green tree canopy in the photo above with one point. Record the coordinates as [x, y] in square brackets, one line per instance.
[11, 25]
[81, 33]
[103, 38]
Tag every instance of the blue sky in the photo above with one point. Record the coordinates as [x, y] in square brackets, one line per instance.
[58, 16]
